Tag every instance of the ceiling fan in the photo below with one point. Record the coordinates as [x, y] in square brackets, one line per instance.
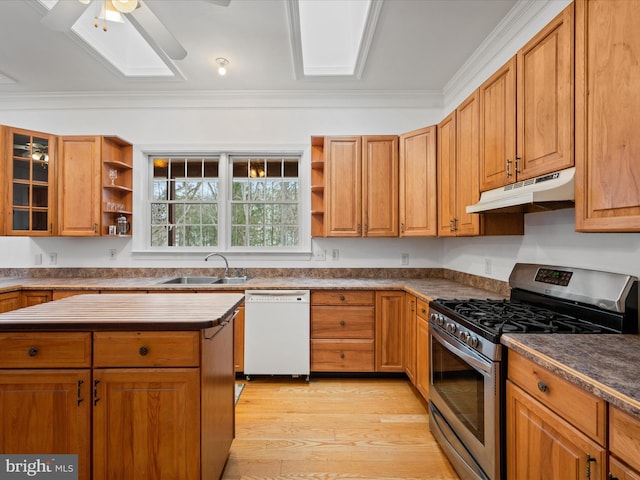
[66, 12]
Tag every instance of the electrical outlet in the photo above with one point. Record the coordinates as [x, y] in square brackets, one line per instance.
[404, 259]
[53, 258]
[335, 254]
[487, 265]
[113, 253]
[320, 255]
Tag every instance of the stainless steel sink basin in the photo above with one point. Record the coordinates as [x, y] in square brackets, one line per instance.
[191, 281]
[204, 280]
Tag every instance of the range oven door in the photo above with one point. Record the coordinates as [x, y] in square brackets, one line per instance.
[464, 395]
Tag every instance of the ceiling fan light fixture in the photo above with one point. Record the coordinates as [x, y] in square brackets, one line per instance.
[222, 65]
[125, 6]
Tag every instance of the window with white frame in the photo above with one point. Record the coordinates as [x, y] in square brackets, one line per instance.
[240, 202]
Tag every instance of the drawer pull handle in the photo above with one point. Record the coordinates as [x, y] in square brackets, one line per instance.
[424, 311]
[33, 351]
[342, 298]
[543, 387]
[96, 398]
[343, 323]
[144, 351]
[341, 354]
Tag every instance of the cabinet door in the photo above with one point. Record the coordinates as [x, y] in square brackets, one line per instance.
[422, 355]
[446, 162]
[47, 412]
[418, 183]
[389, 332]
[545, 99]
[410, 337]
[35, 297]
[541, 445]
[31, 183]
[146, 424]
[10, 301]
[79, 180]
[238, 340]
[620, 471]
[380, 186]
[607, 145]
[498, 128]
[467, 188]
[343, 191]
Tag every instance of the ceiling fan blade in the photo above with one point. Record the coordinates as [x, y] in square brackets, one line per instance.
[222, 3]
[154, 31]
[63, 15]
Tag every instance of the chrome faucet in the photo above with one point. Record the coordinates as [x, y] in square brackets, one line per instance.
[226, 263]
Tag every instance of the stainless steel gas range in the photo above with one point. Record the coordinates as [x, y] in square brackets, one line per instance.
[467, 363]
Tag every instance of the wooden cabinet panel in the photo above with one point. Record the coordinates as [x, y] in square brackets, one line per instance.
[607, 146]
[410, 325]
[498, 128]
[390, 332]
[337, 322]
[342, 355]
[545, 99]
[164, 445]
[35, 297]
[446, 161]
[238, 335]
[541, 445]
[79, 186]
[58, 294]
[10, 301]
[418, 190]
[380, 185]
[47, 411]
[45, 350]
[467, 188]
[343, 192]
[624, 437]
[146, 349]
[422, 355]
[584, 410]
[619, 471]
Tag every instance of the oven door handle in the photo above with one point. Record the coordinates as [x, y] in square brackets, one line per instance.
[474, 360]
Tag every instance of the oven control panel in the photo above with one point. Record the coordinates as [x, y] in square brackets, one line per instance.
[553, 277]
[464, 335]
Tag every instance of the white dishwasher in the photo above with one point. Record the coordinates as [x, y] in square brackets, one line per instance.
[276, 332]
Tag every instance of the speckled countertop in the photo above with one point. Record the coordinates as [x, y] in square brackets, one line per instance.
[606, 365]
[424, 288]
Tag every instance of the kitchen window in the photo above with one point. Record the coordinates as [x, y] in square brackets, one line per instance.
[231, 202]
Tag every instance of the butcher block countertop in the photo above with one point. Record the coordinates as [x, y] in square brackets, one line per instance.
[607, 366]
[180, 311]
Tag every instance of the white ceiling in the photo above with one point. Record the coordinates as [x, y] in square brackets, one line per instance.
[418, 45]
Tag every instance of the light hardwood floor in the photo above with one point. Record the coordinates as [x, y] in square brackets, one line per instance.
[333, 429]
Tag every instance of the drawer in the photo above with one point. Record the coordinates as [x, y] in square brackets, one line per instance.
[584, 410]
[342, 356]
[624, 432]
[146, 349]
[342, 322]
[45, 350]
[342, 297]
[422, 309]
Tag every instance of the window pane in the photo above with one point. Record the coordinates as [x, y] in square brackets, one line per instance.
[177, 168]
[273, 190]
[209, 236]
[272, 213]
[209, 214]
[272, 236]
[160, 190]
[291, 168]
[194, 168]
[240, 169]
[159, 213]
[193, 235]
[256, 214]
[210, 190]
[256, 236]
[274, 169]
[238, 236]
[159, 237]
[186, 190]
[290, 214]
[161, 168]
[188, 214]
[256, 189]
[290, 238]
[240, 190]
[239, 213]
[290, 190]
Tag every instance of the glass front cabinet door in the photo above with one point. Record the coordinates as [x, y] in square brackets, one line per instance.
[31, 183]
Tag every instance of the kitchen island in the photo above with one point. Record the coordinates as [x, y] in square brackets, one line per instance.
[136, 385]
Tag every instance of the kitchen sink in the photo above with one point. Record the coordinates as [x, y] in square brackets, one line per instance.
[204, 280]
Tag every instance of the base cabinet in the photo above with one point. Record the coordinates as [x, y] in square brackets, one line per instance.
[390, 332]
[624, 432]
[422, 348]
[410, 325]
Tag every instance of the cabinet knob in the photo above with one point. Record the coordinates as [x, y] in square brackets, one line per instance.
[342, 323]
[143, 350]
[342, 298]
[424, 311]
[33, 351]
[542, 387]
[341, 354]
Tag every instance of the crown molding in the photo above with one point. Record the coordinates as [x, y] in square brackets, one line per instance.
[418, 99]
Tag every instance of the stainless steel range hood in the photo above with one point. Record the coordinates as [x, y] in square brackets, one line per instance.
[547, 192]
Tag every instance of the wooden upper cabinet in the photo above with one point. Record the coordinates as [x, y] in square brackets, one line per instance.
[361, 186]
[89, 199]
[380, 185]
[467, 188]
[607, 145]
[545, 99]
[418, 183]
[498, 128]
[446, 167]
[28, 161]
[79, 180]
[343, 191]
